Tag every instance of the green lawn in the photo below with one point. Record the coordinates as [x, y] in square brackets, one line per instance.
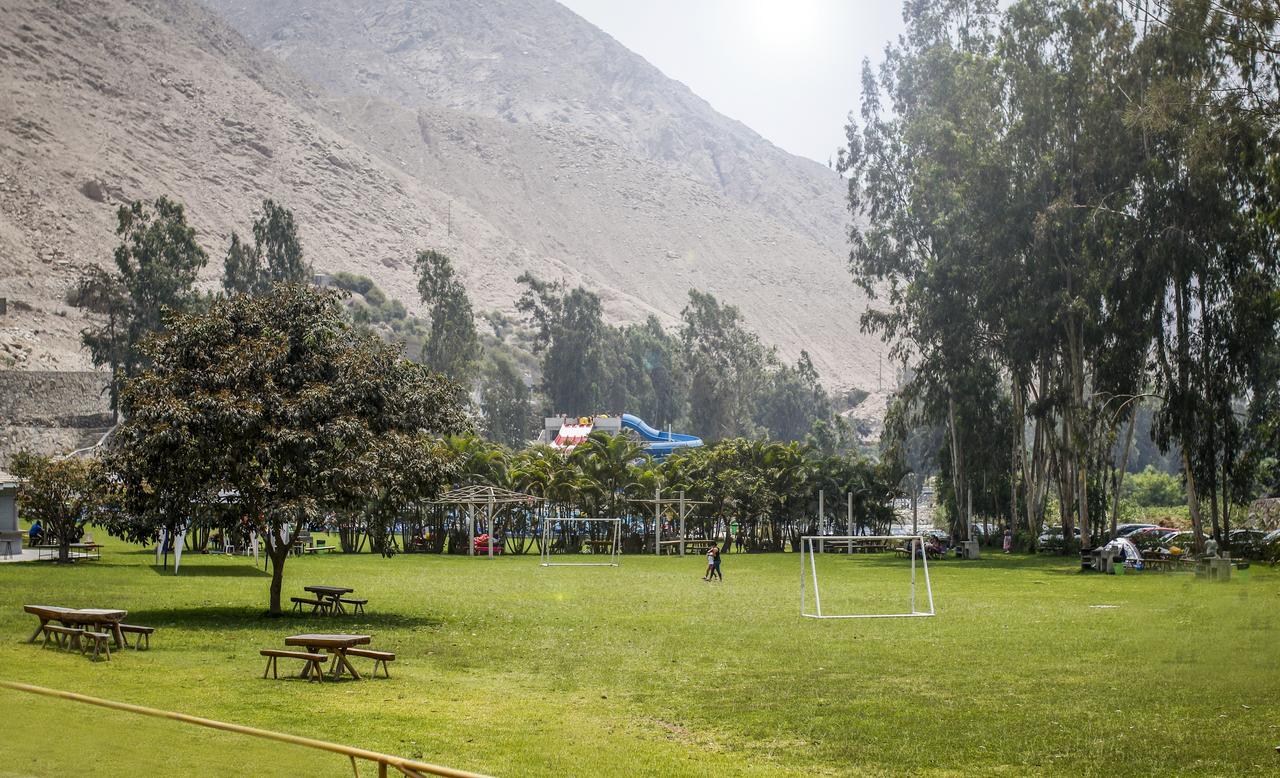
[508, 668]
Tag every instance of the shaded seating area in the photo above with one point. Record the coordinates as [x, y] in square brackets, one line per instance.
[328, 600]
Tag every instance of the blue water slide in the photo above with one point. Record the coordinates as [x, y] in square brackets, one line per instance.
[656, 442]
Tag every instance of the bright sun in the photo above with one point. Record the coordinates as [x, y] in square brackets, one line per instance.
[784, 27]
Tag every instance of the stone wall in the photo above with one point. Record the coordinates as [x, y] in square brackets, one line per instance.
[51, 412]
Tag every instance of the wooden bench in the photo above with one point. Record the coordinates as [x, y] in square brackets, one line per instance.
[101, 643]
[358, 604]
[63, 637]
[314, 662]
[376, 656]
[141, 632]
[316, 604]
[317, 549]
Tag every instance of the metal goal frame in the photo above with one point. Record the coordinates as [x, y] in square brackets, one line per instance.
[807, 551]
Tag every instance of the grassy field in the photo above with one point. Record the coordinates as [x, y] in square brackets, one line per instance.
[507, 668]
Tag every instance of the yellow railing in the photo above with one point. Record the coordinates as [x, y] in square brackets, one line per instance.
[407, 767]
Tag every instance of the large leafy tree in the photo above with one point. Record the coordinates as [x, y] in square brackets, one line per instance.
[59, 493]
[156, 265]
[293, 412]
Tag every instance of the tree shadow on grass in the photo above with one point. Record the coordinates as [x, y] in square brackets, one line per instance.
[212, 571]
[229, 617]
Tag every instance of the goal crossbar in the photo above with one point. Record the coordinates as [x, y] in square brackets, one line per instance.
[915, 546]
[615, 539]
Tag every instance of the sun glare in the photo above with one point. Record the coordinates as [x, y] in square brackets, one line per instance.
[784, 27]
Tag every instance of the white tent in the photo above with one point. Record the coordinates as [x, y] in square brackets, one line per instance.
[1124, 549]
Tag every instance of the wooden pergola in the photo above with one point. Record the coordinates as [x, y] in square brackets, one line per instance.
[492, 500]
[683, 507]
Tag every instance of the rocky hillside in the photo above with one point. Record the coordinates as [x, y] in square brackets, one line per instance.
[520, 138]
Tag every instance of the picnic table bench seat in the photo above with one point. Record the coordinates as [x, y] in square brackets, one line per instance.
[101, 643]
[316, 603]
[143, 633]
[63, 637]
[313, 667]
[357, 604]
[378, 657]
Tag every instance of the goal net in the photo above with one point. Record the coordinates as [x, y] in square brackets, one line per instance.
[855, 587]
[581, 542]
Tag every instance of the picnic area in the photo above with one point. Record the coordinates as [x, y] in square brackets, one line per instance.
[510, 669]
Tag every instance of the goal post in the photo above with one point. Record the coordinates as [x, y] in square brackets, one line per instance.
[811, 546]
[610, 544]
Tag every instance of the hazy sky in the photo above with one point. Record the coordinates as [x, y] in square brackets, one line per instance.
[789, 69]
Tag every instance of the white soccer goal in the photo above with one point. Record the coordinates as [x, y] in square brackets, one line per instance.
[600, 545]
[812, 546]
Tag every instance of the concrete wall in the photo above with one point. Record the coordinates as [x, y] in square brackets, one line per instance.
[50, 412]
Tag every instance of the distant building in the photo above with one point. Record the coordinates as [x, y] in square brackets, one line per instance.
[10, 536]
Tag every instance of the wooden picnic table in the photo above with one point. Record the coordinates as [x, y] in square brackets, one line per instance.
[336, 645]
[332, 594]
[67, 617]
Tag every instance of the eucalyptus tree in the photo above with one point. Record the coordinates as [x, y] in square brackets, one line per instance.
[1207, 213]
[925, 182]
[726, 366]
[571, 335]
[294, 414]
[274, 257]
[452, 344]
[156, 265]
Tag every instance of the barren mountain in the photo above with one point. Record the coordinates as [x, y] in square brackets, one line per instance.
[513, 135]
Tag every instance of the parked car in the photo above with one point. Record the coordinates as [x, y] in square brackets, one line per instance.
[1051, 539]
[1271, 546]
[1125, 530]
[1150, 538]
[1248, 543]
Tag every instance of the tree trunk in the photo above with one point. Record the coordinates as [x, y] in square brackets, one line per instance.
[1193, 504]
[277, 557]
[1124, 466]
[957, 466]
[1226, 505]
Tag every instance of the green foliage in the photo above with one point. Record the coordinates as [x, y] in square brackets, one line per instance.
[1154, 489]
[275, 256]
[504, 403]
[58, 493]
[294, 415]
[1075, 199]
[156, 264]
[452, 345]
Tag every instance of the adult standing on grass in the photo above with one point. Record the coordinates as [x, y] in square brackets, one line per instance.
[711, 563]
[715, 563]
[1008, 540]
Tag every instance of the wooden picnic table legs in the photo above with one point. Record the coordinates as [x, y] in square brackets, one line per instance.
[39, 629]
[338, 662]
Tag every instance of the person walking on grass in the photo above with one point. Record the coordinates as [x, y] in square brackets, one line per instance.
[715, 563]
[711, 563]
[1008, 541]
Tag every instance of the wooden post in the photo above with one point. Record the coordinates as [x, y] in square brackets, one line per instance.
[682, 522]
[822, 519]
[492, 525]
[471, 529]
[657, 520]
[849, 519]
